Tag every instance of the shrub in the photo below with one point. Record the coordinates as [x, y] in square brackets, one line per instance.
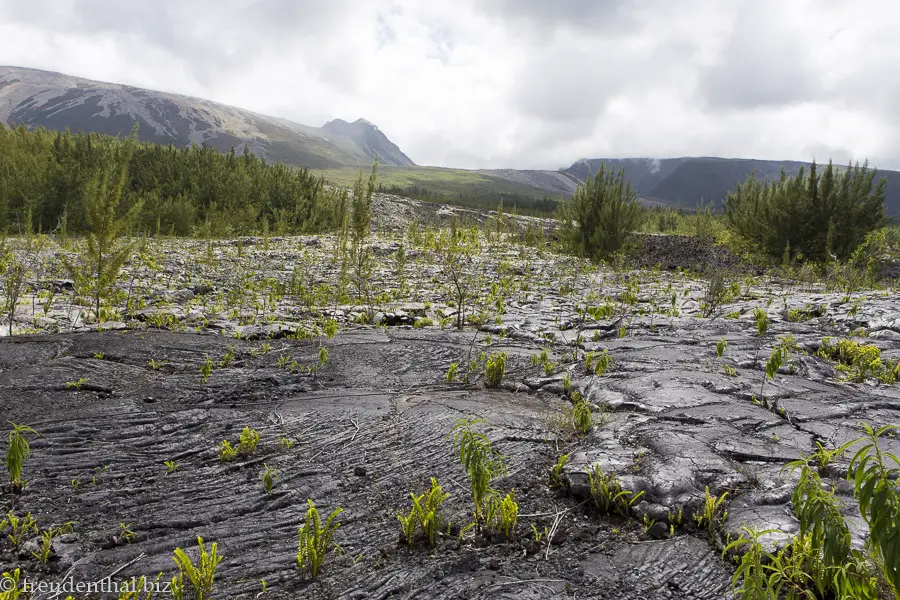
[201, 576]
[600, 218]
[314, 539]
[808, 215]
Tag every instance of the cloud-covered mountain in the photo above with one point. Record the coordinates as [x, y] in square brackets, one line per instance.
[57, 101]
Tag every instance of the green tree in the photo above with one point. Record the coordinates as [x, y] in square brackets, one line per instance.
[602, 215]
[106, 251]
[817, 217]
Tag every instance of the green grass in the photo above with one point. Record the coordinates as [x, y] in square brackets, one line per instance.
[436, 179]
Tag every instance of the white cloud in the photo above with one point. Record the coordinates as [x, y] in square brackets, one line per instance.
[502, 83]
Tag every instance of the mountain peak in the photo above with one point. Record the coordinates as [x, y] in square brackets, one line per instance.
[38, 98]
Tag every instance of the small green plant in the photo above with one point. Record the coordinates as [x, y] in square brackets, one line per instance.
[17, 453]
[19, 527]
[99, 355]
[598, 363]
[76, 384]
[502, 514]
[556, 479]
[171, 466]
[729, 370]
[10, 583]
[481, 462]
[201, 577]
[285, 443]
[228, 358]
[450, 377]
[206, 369]
[582, 417]
[425, 515]
[226, 452]
[721, 346]
[540, 535]
[607, 493]
[859, 362]
[495, 369]
[156, 365]
[248, 441]
[269, 475]
[762, 321]
[125, 533]
[874, 474]
[314, 539]
[712, 513]
[46, 548]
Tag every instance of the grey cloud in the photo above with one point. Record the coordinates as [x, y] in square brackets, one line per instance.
[764, 64]
[543, 16]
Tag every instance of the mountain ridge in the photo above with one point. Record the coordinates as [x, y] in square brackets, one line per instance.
[57, 101]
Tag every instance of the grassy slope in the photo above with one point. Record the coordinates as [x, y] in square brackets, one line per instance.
[436, 179]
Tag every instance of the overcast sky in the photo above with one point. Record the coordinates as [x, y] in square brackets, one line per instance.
[509, 83]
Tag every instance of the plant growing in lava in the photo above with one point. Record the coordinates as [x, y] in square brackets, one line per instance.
[201, 576]
[248, 441]
[556, 480]
[227, 453]
[206, 369]
[17, 453]
[314, 539]
[481, 462]
[425, 515]
[269, 475]
[46, 548]
[19, 527]
[96, 272]
[607, 493]
[711, 514]
[495, 369]
[502, 514]
[874, 474]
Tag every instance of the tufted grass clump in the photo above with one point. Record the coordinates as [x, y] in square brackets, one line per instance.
[607, 493]
[314, 539]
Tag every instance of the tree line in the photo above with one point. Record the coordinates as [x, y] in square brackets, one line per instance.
[193, 190]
